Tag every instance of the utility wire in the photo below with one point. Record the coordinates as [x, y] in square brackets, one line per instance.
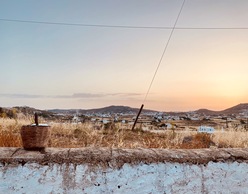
[84, 25]
[165, 48]
[123, 26]
[161, 58]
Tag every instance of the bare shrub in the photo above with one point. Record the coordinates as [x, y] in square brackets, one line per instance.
[199, 140]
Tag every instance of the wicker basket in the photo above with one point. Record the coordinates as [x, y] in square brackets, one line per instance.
[35, 137]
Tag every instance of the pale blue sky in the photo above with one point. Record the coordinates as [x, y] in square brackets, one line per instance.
[54, 66]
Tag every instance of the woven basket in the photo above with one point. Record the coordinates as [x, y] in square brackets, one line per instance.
[35, 137]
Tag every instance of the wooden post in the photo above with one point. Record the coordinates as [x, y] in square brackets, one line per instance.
[136, 120]
[36, 119]
[246, 122]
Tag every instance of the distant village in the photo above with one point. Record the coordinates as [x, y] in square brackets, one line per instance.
[235, 118]
[159, 121]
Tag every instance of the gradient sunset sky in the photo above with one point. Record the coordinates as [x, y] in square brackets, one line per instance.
[63, 66]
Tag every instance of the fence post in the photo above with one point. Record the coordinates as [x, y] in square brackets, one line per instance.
[36, 119]
[136, 120]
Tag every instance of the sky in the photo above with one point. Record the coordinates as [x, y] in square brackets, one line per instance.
[50, 66]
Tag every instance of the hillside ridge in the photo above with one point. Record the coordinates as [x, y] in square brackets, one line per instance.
[113, 109]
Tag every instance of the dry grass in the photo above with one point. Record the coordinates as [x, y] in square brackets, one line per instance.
[198, 140]
[86, 135]
[231, 139]
[10, 132]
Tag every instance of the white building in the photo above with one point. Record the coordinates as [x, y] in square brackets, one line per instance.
[75, 119]
[205, 129]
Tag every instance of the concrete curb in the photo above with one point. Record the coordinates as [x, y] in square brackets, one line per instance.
[118, 157]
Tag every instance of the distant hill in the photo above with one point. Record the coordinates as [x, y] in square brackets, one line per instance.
[10, 112]
[18, 111]
[207, 112]
[108, 109]
[112, 109]
[30, 111]
[125, 109]
[238, 109]
[26, 110]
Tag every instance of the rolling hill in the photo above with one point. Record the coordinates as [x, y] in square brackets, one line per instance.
[108, 109]
[240, 108]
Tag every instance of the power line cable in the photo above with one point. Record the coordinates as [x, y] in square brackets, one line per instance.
[161, 58]
[84, 25]
[165, 49]
[122, 26]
